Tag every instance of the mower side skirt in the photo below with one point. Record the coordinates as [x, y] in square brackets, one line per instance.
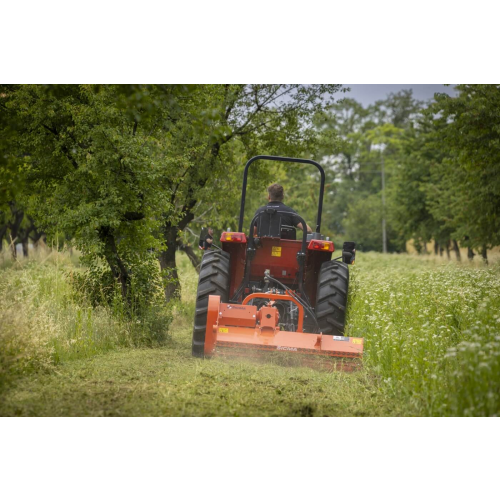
[306, 343]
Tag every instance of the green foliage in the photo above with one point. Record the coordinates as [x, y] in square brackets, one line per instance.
[412, 186]
[10, 164]
[446, 185]
[441, 167]
[369, 137]
[96, 284]
[93, 160]
[124, 169]
[431, 332]
[252, 120]
[44, 323]
[365, 222]
[467, 194]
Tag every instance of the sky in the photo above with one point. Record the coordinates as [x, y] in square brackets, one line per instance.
[369, 93]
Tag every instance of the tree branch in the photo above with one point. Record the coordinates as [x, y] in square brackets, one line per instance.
[133, 216]
[64, 148]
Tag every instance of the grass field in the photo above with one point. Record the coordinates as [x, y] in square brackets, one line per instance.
[432, 347]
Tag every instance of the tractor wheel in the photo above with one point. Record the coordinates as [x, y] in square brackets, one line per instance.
[214, 280]
[331, 297]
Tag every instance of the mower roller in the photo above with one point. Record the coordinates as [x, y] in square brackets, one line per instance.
[269, 291]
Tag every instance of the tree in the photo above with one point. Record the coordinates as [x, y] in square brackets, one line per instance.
[414, 185]
[124, 169]
[400, 109]
[469, 192]
[255, 119]
[93, 160]
[11, 185]
[356, 167]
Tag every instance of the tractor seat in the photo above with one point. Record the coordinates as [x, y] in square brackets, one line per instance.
[269, 225]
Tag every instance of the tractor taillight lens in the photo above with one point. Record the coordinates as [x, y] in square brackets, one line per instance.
[233, 238]
[322, 246]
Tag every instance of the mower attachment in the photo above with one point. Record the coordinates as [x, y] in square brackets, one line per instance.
[245, 326]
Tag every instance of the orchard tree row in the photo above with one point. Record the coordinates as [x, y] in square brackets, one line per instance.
[124, 170]
[441, 163]
[129, 174]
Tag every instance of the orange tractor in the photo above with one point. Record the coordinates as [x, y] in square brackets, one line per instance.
[268, 291]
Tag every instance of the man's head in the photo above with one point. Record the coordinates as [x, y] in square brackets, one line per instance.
[275, 192]
[210, 231]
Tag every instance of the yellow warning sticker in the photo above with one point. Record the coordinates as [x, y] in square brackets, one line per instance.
[357, 341]
[276, 252]
[223, 330]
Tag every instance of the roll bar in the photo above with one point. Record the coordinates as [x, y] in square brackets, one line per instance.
[287, 160]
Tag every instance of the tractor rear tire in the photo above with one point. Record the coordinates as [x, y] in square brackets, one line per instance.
[214, 280]
[331, 297]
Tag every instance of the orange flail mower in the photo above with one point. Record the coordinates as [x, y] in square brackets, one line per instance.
[269, 291]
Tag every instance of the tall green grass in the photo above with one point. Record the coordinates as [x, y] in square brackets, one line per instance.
[44, 321]
[432, 331]
[431, 328]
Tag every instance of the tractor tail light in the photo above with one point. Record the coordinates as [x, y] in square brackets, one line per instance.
[228, 237]
[322, 246]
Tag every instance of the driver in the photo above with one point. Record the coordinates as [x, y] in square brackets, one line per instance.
[209, 239]
[276, 193]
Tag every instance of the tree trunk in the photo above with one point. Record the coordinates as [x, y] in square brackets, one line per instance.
[39, 239]
[436, 248]
[114, 261]
[440, 250]
[448, 243]
[24, 236]
[42, 239]
[36, 235]
[25, 242]
[167, 257]
[470, 253]
[425, 248]
[13, 249]
[188, 250]
[14, 226]
[168, 265]
[484, 254]
[3, 232]
[67, 243]
[457, 250]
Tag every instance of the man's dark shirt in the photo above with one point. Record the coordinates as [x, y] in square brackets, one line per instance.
[206, 244]
[286, 220]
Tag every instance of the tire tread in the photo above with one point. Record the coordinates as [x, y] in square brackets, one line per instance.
[214, 279]
[331, 297]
